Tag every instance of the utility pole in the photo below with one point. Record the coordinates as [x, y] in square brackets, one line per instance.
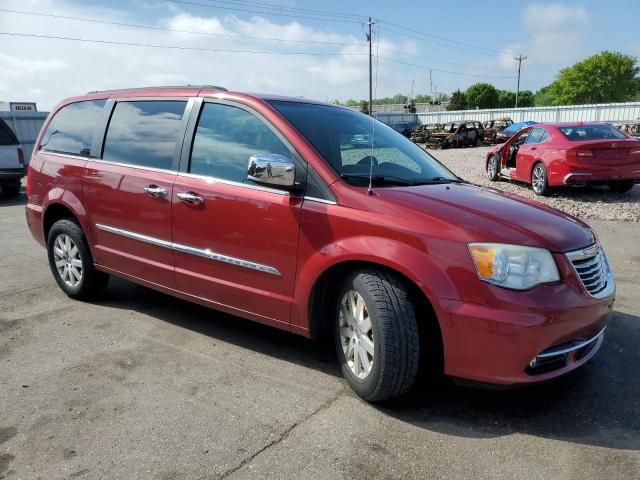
[519, 59]
[370, 23]
[431, 85]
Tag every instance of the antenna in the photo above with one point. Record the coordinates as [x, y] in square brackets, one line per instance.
[373, 120]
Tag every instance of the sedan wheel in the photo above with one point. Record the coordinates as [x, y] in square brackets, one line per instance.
[539, 180]
[493, 166]
[66, 256]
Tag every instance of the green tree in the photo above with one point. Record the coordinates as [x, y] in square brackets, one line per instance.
[422, 99]
[481, 95]
[525, 99]
[457, 101]
[364, 107]
[506, 99]
[601, 78]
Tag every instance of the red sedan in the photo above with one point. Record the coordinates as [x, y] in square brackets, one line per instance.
[547, 155]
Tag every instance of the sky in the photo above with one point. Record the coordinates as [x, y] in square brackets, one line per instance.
[299, 47]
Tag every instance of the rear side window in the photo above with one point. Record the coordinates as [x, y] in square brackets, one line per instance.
[537, 135]
[144, 133]
[591, 132]
[225, 139]
[71, 129]
[7, 137]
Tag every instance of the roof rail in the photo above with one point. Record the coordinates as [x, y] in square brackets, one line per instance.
[160, 87]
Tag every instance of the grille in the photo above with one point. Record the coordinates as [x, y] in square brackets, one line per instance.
[591, 266]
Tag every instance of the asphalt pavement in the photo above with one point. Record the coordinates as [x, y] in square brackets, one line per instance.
[139, 385]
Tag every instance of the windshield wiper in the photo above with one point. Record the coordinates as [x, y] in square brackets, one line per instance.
[379, 179]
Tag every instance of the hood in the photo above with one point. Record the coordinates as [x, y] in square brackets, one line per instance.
[476, 214]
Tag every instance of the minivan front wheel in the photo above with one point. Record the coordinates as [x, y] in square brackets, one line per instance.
[376, 335]
[71, 261]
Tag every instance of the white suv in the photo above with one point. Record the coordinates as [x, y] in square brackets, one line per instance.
[12, 167]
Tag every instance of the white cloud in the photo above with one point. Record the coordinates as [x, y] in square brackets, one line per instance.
[539, 17]
[49, 70]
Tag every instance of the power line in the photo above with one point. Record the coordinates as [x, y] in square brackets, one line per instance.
[400, 52]
[173, 47]
[310, 11]
[164, 29]
[444, 41]
[448, 71]
[262, 12]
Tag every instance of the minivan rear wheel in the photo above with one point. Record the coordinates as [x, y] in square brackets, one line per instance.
[71, 261]
[376, 335]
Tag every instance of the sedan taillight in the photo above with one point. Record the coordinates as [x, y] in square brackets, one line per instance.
[634, 151]
[20, 156]
[575, 152]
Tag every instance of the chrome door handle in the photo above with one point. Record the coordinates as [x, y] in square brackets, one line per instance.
[156, 191]
[190, 197]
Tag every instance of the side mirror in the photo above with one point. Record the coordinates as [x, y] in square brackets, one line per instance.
[272, 170]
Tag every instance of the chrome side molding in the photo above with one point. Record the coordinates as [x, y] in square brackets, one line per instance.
[218, 257]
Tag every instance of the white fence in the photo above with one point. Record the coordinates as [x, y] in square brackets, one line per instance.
[26, 126]
[604, 112]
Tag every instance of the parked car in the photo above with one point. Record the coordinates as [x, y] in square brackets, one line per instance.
[12, 167]
[505, 134]
[457, 134]
[423, 132]
[491, 127]
[554, 154]
[405, 128]
[253, 205]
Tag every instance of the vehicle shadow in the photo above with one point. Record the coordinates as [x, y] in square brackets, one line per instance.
[316, 354]
[597, 405]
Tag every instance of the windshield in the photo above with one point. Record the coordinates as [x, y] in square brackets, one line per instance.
[591, 132]
[343, 138]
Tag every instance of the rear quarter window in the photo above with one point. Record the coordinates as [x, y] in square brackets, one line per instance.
[71, 129]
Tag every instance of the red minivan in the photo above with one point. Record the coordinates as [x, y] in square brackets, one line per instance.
[273, 209]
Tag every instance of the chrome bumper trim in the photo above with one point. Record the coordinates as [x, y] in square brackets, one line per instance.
[190, 250]
[573, 348]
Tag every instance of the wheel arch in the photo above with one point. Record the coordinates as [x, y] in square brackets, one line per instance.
[325, 290]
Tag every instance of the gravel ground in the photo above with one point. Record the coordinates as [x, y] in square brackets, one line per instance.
[596, 203]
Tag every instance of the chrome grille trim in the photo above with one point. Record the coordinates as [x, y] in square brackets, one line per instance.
[592, 268]
[208, 254]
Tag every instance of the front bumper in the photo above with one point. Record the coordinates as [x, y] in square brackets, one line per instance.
[520, 338]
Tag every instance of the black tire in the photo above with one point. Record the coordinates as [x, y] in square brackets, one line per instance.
[540, 187]
[394, 333]
[493, 168]
[620, 187]
[92, 282]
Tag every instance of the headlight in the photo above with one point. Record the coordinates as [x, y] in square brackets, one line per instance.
[513, 266]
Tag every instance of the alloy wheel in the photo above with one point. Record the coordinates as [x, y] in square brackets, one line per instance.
[538, 181]
[492, 168]
[356, 334]
[67, 260]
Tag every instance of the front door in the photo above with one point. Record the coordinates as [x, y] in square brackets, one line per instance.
[128, 191]
[235, 242]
